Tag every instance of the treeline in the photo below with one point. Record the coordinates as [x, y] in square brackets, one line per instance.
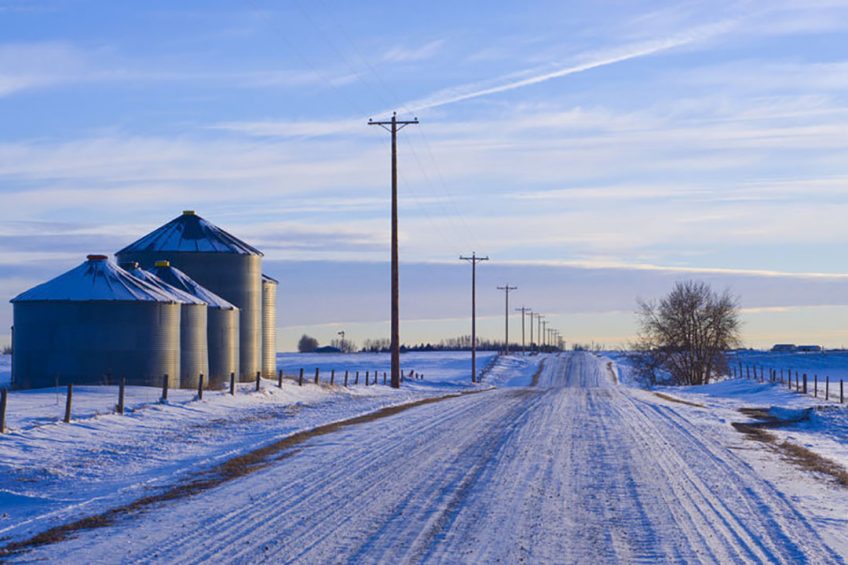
[308, 344]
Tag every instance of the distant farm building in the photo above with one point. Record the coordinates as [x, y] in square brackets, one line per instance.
[784, 348]
[191, 300]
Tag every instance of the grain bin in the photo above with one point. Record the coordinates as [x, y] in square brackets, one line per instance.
[223, 323]
[92, 321]
[194, 356]
[269, 326]
[218, 261]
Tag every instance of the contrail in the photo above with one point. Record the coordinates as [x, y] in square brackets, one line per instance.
[467, 92]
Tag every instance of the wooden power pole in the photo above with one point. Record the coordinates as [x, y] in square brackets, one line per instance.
[506, 289]
[539, 333]
[473, 260]
[524, 310]
[393, 126]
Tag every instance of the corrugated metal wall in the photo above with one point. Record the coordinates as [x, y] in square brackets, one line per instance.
[82, 342]
[236, 278]
[223, 338]
[269, 326]
[194, 354]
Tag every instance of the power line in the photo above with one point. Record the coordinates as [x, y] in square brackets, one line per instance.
[393, 126]
[473, 260]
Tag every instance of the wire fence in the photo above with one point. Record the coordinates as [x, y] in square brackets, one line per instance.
[794, 380]
[345, 379]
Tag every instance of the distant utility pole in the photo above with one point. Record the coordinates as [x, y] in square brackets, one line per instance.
[473, 260]
[524, 310]
[506, 290]
[532, 317]
[539, 337]
[393, 126]
[544, 335]
[341, 333]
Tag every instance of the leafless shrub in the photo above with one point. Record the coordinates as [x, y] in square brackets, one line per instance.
[686, 334]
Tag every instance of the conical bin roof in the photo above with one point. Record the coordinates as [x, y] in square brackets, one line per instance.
[179, 280]
[98, 279]
[190, 233]
[147, 276]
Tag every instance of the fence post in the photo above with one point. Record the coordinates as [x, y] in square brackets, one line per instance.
[345, 377]
[816, 386]
[805, 383]
[332, 376]
[827, 387]
[367, 377]
[232, 384]
[200, 387]
[164, 388]
[316, 375]
[121, 387]
[356, 382]
[258, 380]
[68, 400]
[384, 378]
[300, 378]
[4, 397]
[841, 395]
[280, 379]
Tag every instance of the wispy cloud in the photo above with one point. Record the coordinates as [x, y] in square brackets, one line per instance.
[24, 66]
[590, 61]
[405, 54]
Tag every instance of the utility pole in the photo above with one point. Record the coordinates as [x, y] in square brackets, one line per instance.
[524, 310]
[544, 338]
[473, 260]
[341, 333]
[393, 126]
[539, 345]
[506, 289]
[532, 317]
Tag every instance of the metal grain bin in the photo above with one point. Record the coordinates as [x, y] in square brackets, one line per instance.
[223, 323]
[269, 326]
[194, 355]
[218, 261]
[93, 321]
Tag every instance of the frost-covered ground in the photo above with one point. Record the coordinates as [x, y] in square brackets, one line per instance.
[576, 470]
[51, 472]
[5, 370]
[825, 432]
[828, 363]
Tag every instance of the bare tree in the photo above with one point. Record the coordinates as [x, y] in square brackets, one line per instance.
[343, 345]
[687, 333]
[307, 344]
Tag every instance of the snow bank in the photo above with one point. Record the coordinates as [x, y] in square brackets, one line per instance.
[5, 370]
[51, 472]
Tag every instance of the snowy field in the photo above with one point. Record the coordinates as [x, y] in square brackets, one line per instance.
[51, 472]
[825, 431]
[828, 363]
[578, 469]
[5, 370]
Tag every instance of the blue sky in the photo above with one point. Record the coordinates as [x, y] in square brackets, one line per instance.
[597, 151]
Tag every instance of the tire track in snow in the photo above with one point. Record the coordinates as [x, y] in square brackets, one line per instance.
[574, 471]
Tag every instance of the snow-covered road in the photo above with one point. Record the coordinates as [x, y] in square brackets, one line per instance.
[575, 470]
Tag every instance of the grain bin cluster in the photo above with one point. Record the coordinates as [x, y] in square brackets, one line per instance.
[185, 300]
